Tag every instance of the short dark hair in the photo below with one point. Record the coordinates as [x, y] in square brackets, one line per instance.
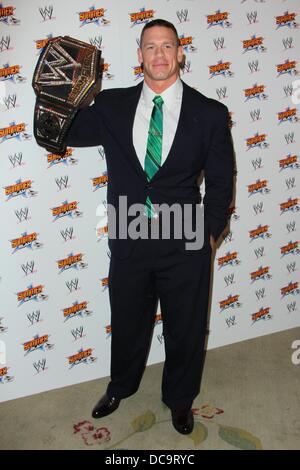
[160, 22]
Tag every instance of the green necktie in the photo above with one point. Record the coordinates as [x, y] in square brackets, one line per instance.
[154, 147]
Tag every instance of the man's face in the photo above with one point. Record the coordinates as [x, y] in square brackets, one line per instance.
[160, 53]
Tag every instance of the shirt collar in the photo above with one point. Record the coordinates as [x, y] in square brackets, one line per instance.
[171, 94]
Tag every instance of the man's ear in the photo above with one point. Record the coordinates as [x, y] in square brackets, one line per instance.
[140, 55]
[180, 54]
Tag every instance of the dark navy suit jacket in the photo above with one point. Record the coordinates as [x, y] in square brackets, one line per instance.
[202, 141]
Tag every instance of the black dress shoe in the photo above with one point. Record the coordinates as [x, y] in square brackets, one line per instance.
[183, 421]
[105, 406]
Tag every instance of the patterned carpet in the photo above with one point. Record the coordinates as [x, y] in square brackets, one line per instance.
[249, 399]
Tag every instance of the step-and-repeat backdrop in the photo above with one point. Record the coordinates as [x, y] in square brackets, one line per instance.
[54, 303]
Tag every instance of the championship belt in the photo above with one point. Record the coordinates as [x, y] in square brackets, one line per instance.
[65, 76]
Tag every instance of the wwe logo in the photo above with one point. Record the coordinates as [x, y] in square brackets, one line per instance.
[96, 41]
[46, 12]
[257, 163]
[182, 15]
[291, 226]
[259, 252]
[77, 333]
[260, 293]
[73, 285]
[221, 92]
[4, 43]
[252, 17]
[291, 267]
[290, 183]
[228, 237]
[22, 214]
[287, 43]
[160, 338]
[186, 67]
[288, 90]
[40, 366]
[34, 317]
[229, 280]
[101, 152]
[16, 159]
[10, 102]
[255, 115]
[258, 208]
[291, 307]
[290, 138]
[230, 321]
[28, 268]
[253, 66]
[219, 43]
[62, 182]
[67, 234]
[57, 76]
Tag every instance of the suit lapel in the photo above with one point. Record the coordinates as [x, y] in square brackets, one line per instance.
[127, 114]
[127, 110]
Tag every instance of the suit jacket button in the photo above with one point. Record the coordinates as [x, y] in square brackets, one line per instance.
[148, 186]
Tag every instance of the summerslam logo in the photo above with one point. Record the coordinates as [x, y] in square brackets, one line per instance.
[221, 68]
[187, 43]
[257, 91]
[106, 75]
[218, 19]
[260, 186]
[72, 261]
[102, 232]
[7, 15]
[66, 158]
[141, 17]
[27, 240]
[12, 73]
[262, 231]
[290, 248]
[20, 188]
[260, 273]
[289, 162]
[31, 293]
[257, 141]
[82, 357]
[4, 377]
[100, 181]
[254, 44]
[287, 19]
[41, 43]
[77, 309]
[138, 72]
[108, 331]
[291, 289]
[232, 213]
[93, 15]
[14, 131]
[66, 209]
[289, 66]
[290, 114]
[289, 205]
[262, 314]
[104, 283]
[230, 259]
[232, 301]
[38, 342]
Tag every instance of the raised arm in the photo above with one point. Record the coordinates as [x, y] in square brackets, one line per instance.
[87, 127]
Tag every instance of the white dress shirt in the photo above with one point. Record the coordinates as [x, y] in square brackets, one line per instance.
[172, 97]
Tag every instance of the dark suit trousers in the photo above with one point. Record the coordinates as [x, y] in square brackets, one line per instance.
[181, 282]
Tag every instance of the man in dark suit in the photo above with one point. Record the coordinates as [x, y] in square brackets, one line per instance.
[158, 136]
